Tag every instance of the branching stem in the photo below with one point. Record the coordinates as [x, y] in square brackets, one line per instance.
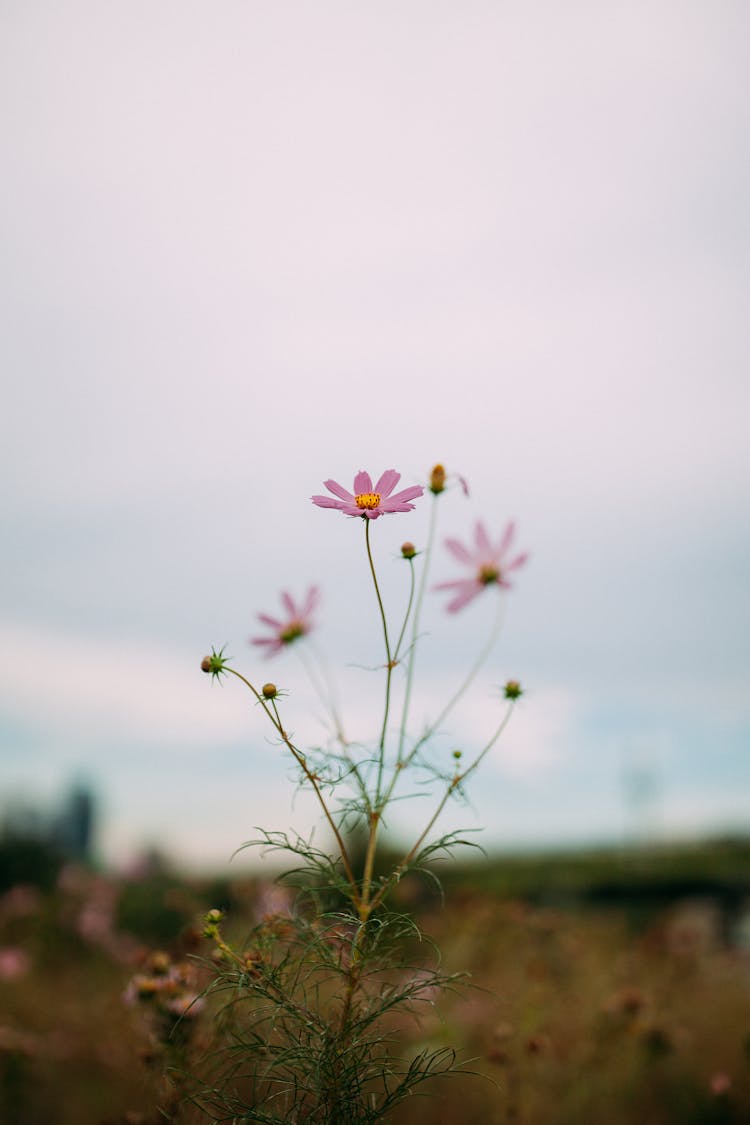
[299, 757]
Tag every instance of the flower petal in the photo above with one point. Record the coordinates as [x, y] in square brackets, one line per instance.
[410, 493]
[271, 622]
[506, 539]
[288, 602]
[482, 540]
[387, 482]
[470, 591]
[328, 502]
[457, 549]
[311, 601]
[519, 560]
[399, 502]
[338, 490]
[362, 483]
[272, 644]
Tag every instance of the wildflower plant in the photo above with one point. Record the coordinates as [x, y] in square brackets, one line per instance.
[311, 1004]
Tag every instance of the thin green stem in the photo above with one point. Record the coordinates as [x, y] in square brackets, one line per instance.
[402, 866]
[299, 757]
[377, 590]
[473, 671]
[375, 813]
[408, 610]
[453, 784]
[328, 703]
[364, 907]
[389, 667]
[415, 626]
[482, 754]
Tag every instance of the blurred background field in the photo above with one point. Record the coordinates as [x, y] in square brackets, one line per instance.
[602, 986]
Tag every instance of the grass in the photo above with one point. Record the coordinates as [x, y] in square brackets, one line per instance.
[604, 987]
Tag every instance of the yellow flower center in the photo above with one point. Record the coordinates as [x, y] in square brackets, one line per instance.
[368, 500]
[488, 574]
[292, 631]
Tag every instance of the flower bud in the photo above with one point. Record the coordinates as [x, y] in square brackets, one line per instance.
[457, 754]
[437, 480]
[408, 550]
[513, 689]
[269, 691]
[215, 663]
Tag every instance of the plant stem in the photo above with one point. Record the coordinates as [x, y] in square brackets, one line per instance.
[475, 668]
[364, 907]
[329, 703]
[311, 777]
[453, 784]
[408, 610]
[415, 625]
[389, 661]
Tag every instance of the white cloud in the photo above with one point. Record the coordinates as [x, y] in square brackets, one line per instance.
[106, 690]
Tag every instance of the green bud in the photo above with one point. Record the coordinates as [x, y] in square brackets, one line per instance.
[215, 664]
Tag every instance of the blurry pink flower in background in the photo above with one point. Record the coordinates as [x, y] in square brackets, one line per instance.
[273, 900]
[14, 962]
[487, 561]
[296, 624]
[367, 500]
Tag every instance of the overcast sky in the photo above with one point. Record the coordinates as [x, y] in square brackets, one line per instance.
[251, 246]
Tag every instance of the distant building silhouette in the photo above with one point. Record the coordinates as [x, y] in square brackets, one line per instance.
[73, 829]
[69, 831]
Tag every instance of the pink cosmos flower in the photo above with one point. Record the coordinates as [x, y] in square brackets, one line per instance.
[297, 622]
[368, 501]
[487, 561]
[14, 962]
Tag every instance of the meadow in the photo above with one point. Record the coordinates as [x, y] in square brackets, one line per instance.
[599, 986]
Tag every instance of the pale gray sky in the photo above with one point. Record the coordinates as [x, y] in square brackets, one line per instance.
[253, 246]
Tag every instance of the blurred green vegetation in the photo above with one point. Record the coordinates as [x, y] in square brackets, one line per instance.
[657, 873]
[605, 985]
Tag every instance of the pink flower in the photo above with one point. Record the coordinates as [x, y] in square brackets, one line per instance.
[14, 962]
[368, 501]
[488, 563]
[297, 622]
